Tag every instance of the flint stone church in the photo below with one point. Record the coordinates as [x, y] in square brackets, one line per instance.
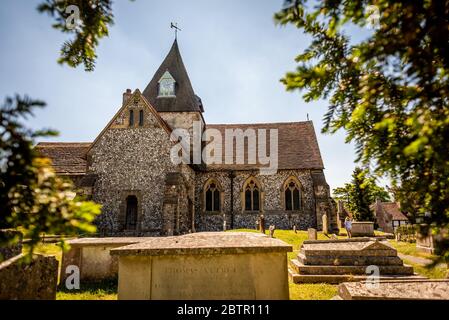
[129, 171]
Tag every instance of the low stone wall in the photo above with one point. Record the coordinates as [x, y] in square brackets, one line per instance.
[34, 281]
[362, 229]
[7, 252]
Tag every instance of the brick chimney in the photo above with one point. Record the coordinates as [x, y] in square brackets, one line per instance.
[126, 96]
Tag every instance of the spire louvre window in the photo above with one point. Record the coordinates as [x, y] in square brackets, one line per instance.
[167, 86]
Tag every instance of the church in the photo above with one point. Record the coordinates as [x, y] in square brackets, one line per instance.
[129, 168]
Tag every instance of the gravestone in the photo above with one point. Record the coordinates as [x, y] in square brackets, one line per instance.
[312, 234]
[325, 224]
[395, 290]
[36, 280]
[272, 229]
[362, 229]
[209, 266]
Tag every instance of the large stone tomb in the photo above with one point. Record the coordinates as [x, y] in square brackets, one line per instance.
[92, 257]
[335, 261]
[206, 266]
[395, 290]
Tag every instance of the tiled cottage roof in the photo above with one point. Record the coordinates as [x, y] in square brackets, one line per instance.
[392, 209]
[185, 100]
[297, 145]
[67, 158]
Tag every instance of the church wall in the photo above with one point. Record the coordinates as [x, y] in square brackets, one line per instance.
[131, 161]
[271, 200]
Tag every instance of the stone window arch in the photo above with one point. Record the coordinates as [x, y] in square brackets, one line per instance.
[212, 196]
[252, 195]
[141, 118]
[131, 118]
[291, 194]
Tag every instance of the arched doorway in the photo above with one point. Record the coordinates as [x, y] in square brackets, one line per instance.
[131, 213]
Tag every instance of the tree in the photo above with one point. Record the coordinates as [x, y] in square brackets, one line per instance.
[389, 91]
[360, 194]
[360, 197]
[32, 198]
[88, 20]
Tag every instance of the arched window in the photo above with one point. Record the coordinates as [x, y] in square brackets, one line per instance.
[131, 213]
[292, 194]
[131, 118]
[141, 118]
[212, 196]
[251, 191]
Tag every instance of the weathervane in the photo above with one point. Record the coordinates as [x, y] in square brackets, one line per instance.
[175, 26]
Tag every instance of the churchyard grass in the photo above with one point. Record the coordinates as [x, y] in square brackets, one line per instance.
[104, 290]
[409, 249]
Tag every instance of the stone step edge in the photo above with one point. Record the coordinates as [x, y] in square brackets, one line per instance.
[351, 253]
[337, 279]
[296, 265]
[303, 258]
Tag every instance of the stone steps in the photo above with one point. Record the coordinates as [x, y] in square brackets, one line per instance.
[302, 269]
[336, 279]
[342, 260]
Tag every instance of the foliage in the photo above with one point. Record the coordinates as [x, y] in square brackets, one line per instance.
[389, 91]
[360, 194]
[87, 20]
[407, 229]
[32, 198]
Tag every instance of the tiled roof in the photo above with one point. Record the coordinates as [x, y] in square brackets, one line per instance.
[67, 158]
[392, 209]
[297, 149]
[297, 145]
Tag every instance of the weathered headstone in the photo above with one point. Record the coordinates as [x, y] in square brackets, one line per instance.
[262, 224]
[206, 265]
[362, 229]
[325, 224]
[272, 229]
[36, 280]
[312, 234]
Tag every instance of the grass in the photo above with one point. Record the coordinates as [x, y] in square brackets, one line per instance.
[47, 249]
[104, 290]
[432, 272]
[409, 249]
[318, 291]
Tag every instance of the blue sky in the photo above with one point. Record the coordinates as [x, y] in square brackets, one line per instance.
[233, 51]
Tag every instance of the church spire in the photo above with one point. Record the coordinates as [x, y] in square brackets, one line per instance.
[184, 98]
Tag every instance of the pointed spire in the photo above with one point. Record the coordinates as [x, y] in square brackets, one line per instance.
[185, 99]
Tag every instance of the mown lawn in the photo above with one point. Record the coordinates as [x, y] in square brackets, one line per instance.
[432, 272]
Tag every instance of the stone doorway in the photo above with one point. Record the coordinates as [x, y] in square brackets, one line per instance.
[131, 213]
